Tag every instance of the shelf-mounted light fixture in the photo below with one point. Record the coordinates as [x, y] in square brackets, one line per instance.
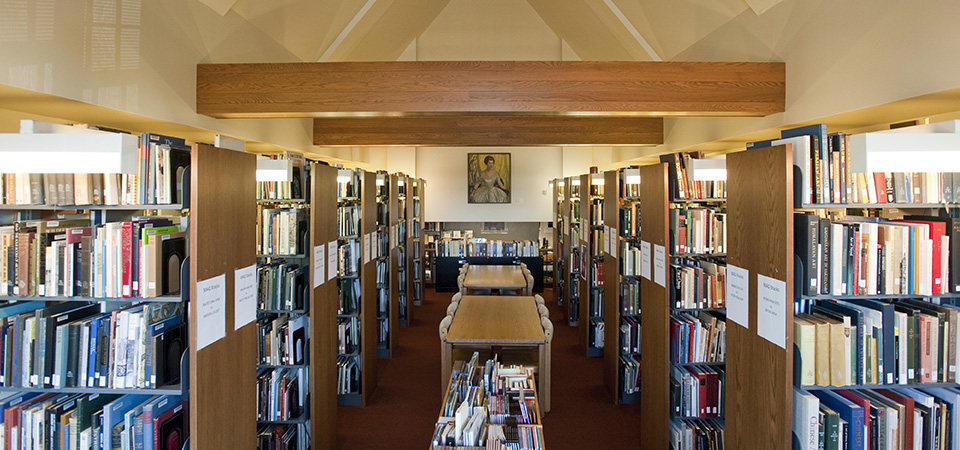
[381, 179]
[712, 169]
[68, 149]
[344, 175]
[562, 183]
[631, 176]
[931, 147]
[575, 181]
[399, 181]
[274, 169]
[596, 179]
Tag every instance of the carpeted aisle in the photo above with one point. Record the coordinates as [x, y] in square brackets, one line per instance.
[403, 410]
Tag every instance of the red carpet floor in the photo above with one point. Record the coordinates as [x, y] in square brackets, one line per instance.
[403, 410]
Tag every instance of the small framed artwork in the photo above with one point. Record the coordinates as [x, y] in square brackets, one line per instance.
[488, 178]
[494, 228]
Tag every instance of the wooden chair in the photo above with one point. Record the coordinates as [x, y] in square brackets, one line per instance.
[539, 299]
[456, 298]
[544, 312]
[452, 309]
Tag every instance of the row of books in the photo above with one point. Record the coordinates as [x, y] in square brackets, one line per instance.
[135, 258]
[283, 231]
[596, 236]
[282, 394]
[282, 286]
[93, 421]
[488, 248]
[383, 332]
[296, 188]
[630, 258]
[596, 334]
[629, 190]
[697, 230]
[348, 183]
[698, 284]
[283, 437]
[629, 335]
[162, 162]
[520, 404]
[680, 183]
[696, 434]
[348, 295]
[630, 296]
[348, 258]
[919, 255]
[857, 342]
[348, 374]
[596, 212]
[630, 374]
[283, 339]
[596, 274]
[75, 345]
[697, 338]
[348, 220]
[697, 391]
[866, 419]
[630, 219]
[348, 335]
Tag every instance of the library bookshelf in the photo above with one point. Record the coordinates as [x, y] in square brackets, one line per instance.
[368, 282]
[592, 234]
[559, 257]
[323, 309]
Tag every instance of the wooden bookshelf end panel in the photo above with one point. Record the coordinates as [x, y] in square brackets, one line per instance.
[323, 313]
[760, 238]
[222, 375]
[654, 300]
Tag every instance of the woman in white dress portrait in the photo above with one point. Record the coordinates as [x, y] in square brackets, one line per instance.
[486, 186]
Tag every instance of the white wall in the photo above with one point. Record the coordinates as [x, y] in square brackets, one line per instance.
[445, 170]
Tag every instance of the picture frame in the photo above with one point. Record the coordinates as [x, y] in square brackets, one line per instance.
[488, 178]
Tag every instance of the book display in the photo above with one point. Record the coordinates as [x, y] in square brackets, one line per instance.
[283, 300]
[356, 287]
[595, 234]
[622, 368]
[866, 351]
[417, 255]
[559, 239]
[489, 405]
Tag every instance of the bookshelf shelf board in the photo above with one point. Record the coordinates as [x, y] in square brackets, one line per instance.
[594, 352]
[630, 198]
[623, 353]
[351, 399]
[351, 353]
[348, 315]
[698, 255]
[877, 205]
[176, 389]
[596, 319]
[265, 255]
[298, 420]
[694, 418]
[348, 199]
[629, 399]
[347, 277]
[169, 207]
[718, 310]
[281, 311]
[348, 237]
[874, 296]
[383, 352]
[630, 238]
[716, 364]
[596, 227]
[699, 200]
[637, 315]
[60, 298]
[631, 277]
[282, 366]
[272, 201]
[880, 386]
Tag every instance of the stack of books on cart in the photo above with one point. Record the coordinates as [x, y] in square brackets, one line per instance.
[489, 406]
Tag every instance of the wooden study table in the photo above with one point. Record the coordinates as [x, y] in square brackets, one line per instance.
[492, 320]
[494, 277]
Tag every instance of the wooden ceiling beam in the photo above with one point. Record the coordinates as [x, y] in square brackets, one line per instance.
[507, 130]
[635, 88]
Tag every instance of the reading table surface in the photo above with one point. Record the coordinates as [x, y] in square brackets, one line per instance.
[494, 277]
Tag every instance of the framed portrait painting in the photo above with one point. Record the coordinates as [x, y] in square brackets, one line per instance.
[488, 178]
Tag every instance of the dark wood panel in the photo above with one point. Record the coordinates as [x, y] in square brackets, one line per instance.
[760, 239]
[368, 287]
[654, 302]
[223, 399]
[487, 130]
[635, 87]
[323, 312]
[611, 287]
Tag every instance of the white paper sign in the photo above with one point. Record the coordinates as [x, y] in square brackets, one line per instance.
[606, 239]
[211, 310]
[319, 263]
[331, 260]
[366, 248]
[244, 296]
[771, 310]
[738, 295]
[660, 265]
[645, 257]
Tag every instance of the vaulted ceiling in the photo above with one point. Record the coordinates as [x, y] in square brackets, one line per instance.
[380, 30]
